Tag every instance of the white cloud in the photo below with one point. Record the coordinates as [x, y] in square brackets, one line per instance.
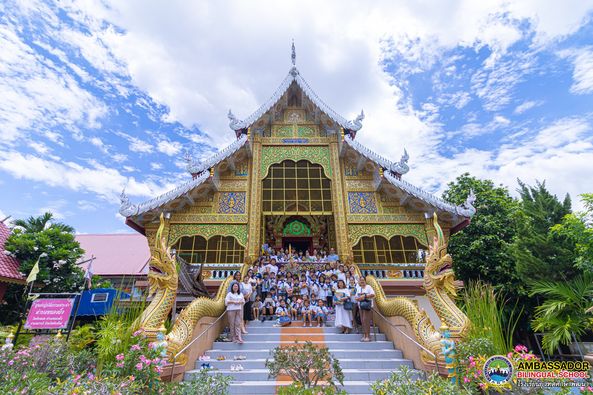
[527, 105]
[155, 166]
[137, 145]
[39, 147]
[560, 154]
[33, 86]
[97, 142]
[170, 148]
[583, 71]
[250, 61]
[105, 182]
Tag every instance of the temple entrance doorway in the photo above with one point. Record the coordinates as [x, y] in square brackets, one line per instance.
[298, 244]
[297, 207]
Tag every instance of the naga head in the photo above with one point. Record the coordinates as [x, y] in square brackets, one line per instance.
[163, 268]
[439, 265]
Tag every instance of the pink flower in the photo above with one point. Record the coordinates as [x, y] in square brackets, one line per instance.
[120, 357]
[520, 348]
[466, 380]
[11, 362]
[145, 360]
[132, 378]
[482, 385]
[471, 358]
[139, 366]
[135, 347]
[137, 333]
[510, 355]
[119, 364]
[91, 376]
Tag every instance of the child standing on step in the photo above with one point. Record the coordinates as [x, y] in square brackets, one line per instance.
[256, 308]
[306, 311]
[321, 313]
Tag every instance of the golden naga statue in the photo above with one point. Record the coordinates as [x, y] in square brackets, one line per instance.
[440, 288]
[163, 281]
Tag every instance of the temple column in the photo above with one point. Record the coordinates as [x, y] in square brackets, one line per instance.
[342, 243]
[255, 201]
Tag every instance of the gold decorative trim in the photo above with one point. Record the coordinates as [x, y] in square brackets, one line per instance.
[210, 219]
[233, 185]
[417, 231]
[315, 154]
[384, 218]
[176, 231]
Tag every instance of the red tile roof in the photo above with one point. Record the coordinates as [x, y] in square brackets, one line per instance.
[115, 254]
[9, 266]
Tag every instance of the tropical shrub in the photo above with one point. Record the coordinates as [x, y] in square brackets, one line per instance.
[484, 308]
[410, 382]
[116, 329]
[298, 389]
[201, 383]
[83, 337]
[306, 364]
[565, 312]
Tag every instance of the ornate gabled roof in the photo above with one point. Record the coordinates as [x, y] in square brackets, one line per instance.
[294, 76]
[400, 167]
[128, 209]
[198, 167]
[465, 210]
[200, 173]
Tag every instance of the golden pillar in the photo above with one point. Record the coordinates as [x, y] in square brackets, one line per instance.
[338, 196]
[255, 200]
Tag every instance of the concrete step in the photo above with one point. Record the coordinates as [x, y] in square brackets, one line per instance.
[338, 353]
[331, 344]
[303, 334]
[345, 363]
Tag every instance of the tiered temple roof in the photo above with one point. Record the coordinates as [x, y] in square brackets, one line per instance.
[202, 171]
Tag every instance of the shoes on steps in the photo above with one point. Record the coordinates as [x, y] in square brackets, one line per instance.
[220, 358]
[205, 366]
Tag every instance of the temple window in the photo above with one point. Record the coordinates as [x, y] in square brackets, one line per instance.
[296, 187]
[377, 249]
[217, 249]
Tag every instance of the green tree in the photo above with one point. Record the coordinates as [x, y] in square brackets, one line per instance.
[54, 245]
[481, 250]
[541, 254]
[578, 228]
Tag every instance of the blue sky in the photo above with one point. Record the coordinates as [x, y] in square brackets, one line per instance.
[101, 95]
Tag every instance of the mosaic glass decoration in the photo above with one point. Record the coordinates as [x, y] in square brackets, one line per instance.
[296, 228]
[231, 203]
[362, 203]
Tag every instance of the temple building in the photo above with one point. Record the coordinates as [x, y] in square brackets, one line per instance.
[297, 176]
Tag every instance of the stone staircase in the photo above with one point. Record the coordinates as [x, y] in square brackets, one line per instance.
[362, 363]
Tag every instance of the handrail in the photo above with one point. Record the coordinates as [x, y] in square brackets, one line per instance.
[192, 342]
[408, 337]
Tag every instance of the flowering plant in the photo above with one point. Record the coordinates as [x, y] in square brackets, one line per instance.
[143, 362]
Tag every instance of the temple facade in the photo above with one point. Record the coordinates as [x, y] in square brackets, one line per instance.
[297, 176]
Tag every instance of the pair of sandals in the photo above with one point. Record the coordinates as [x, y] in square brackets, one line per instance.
[365, 340]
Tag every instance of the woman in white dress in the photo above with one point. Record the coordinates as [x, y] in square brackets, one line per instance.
[343, 316]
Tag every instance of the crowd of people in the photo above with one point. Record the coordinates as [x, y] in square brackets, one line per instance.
[288, 287]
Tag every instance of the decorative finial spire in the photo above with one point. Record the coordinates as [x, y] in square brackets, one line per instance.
[293, 56]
